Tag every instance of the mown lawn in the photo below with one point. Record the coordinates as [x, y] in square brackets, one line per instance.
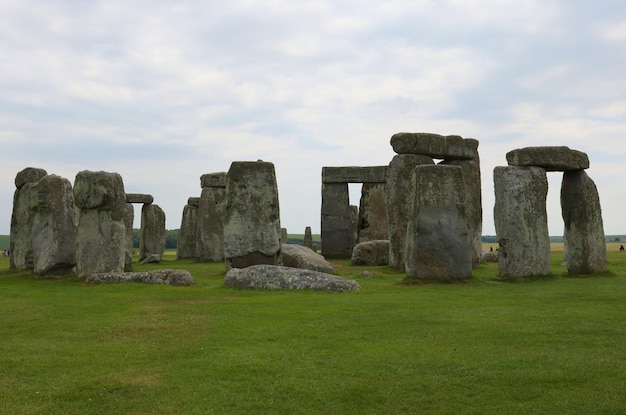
[553, 345]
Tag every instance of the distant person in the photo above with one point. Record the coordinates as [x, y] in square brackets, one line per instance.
[621, 248]
[5, 252]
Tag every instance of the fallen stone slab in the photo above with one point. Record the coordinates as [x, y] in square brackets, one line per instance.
[375, 252]
[139, 198]
[449, 147]
[551, 158]
[300, 256]
[162, 276]
[276, 277]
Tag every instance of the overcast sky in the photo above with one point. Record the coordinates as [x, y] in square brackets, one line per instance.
[165, 91]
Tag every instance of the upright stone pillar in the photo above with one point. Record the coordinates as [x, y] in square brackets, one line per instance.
[336, 224]
[54, 226]
[129, 220]
[21, 233]
[372, 213]
[308, 238]
[521, 221]
[398, 189]
[252, 219]
[438, 244]
[101, 238]
[584, 230]
[211, 218]
[152, 241]
[188, 232]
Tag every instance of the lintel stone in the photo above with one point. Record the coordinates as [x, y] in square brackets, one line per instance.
[139, 198]
[193, 201]
[213, 180]
[353, 174]
[551, 158]
[435, 145]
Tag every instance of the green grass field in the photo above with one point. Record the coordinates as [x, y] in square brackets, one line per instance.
[552, 345]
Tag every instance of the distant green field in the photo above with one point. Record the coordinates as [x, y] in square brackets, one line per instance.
[4, 241]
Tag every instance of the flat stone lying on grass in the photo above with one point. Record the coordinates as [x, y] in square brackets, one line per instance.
[275, 277]
[162, 276]
[299, 256]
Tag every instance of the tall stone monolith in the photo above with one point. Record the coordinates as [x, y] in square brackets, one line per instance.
[397, 203]
[372, 214]
[188, 232]
[336, 222]
[129, 220]
[101, 237]
[211, 217]
[438, 243]
[521, 221]
[252, 216]
[584, 230]
[152, 239]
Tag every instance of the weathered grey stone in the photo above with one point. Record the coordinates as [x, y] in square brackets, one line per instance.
[353, 174]
[193, 201]
[473, 203]
[584, 229]
[299, 256]
[374, 252]
[336, 224]
[489, 257]
[54, 226]
[211, 216]
[397, 203]
[188, 233]
[101, 238]
[217, 179]
[308, 238]
[270, 277]
[521, 221]
[29, 175]
[139, 198]
[284, 236]
[129, 219]
[152, 240]
[557, 158]
[438, 244]
[174, 277]
[252, 219]
[435, 145]
[354, 227]
[372, 224]
[151, 259]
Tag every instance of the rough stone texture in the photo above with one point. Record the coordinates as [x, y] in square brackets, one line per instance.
[101, 239]
[352, 174]
[193, 201]
[22, 217]
[550, 158]
[438, 244]
[489, 257]
[473, 203]
[435, 145]
[299, 256]
[284, 236]
[354, 227]
[188, 233]
[375, 252]
[129, 219]
[521, 221]
[308, 238]
[336, 225]
[372, 224]
[152, 240]
[584, 229]
[211, 216]
[54, 226]
[151, 259]
[139, 198]
[270, 277]
[252, 218]
[397, 197]
[163, 276]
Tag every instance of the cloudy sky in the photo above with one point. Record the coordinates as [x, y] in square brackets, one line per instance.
[163, 92]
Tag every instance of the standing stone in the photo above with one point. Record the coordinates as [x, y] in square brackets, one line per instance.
[252, 219]
[438, 244]
[188, 232]
[21, 233]
[284, 236]
[211, 217]
[101, 239]
[584, 229]
[129, 220]
[308, 238]
[521, 221]
[336, 224]
[473, 203]
[354, 226]
[372, 214]
[152, 241]
[397, 203]
[54, 226]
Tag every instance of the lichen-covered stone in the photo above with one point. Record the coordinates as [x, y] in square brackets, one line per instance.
[211, 217]
[139, 198]
[372, 224]
[271, 277]
[152, 240]
[584, 229]
[374, 252]
[521, 221]
[174, 277]
[354, 174]
[299, 256]
[435, 145]
[217, 179]
[551, 158]
[336, 222]
[188, 233]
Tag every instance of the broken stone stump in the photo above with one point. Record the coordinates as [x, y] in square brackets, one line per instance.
[308, 238]
[152, 240]
[299, 256]
[438, 244]
[521, 221]
[375, 252]
[585, 245]
[252, 215]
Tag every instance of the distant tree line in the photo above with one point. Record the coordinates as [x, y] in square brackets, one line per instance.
[171, 238]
